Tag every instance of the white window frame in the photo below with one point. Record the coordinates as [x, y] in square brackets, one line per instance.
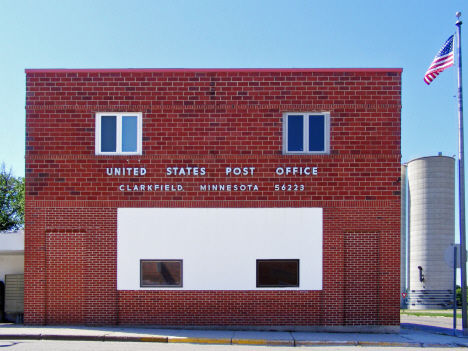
[119, 116]
[306, 133]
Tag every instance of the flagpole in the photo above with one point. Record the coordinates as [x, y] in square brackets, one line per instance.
[461, 180]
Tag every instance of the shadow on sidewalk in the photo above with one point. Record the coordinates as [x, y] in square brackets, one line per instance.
[431, 329]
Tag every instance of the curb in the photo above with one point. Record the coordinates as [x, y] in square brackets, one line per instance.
[72, 337]
[223, 341]
[21, 336]
[264, 342]
[326, 343]
[132, 338]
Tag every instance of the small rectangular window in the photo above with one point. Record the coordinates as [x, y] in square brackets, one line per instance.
[296, 133]
[306, 133]
[316, 133]
[277, 273]
[109, 134]
[119, 133]
[129, 133]
[161, 273]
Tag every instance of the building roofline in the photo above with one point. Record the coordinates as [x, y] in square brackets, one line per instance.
[208, 70]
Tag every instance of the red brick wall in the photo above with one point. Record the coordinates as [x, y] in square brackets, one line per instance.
[220, 308]
[70, 265]
[211, 119]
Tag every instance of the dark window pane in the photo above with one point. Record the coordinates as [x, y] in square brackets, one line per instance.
[316, 133]
[129, 133]
[108, 133]
[296, 133]
[161, 273]
[277, 273]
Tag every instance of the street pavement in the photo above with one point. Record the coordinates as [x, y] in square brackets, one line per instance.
[414, 332]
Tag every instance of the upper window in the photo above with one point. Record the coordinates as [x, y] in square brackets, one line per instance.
[306, 133]
[118, 133]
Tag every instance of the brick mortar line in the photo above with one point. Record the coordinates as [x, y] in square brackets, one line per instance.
[113, 204]
[297, 158]
[232, 106]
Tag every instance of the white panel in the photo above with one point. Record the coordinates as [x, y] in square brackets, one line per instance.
[219, 246]
[11, 264]
[12, 242]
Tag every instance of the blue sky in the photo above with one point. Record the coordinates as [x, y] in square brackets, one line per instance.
[237, 34]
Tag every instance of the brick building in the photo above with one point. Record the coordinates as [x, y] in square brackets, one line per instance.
[240, 198]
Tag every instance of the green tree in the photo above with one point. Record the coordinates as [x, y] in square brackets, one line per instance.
[11, 200]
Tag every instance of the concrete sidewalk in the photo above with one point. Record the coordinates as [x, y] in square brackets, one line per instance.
[410, 336]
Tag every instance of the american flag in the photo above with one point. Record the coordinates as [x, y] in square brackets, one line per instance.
[443, 60]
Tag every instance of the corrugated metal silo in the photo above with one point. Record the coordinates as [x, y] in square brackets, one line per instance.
[431, 194]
